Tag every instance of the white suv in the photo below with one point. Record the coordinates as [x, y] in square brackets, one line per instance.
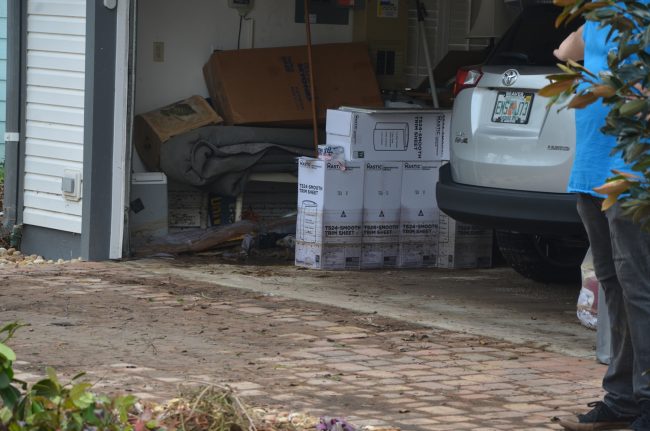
[511, 156]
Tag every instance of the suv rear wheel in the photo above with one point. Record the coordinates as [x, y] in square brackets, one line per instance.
[543, 258]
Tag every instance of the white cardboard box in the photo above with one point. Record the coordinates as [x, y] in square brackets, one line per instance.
[419, 215]
[330, 214]
[390, 134]
[188, 207]
[461, 245]
[381, 214]
[328, 256]
[149, 217]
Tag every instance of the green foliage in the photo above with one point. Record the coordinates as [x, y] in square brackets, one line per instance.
[625, 90]
[50, 405]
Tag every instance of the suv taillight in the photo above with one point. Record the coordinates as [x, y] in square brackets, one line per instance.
[467, 78]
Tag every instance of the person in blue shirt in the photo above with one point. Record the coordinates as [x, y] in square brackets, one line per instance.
[621, 252]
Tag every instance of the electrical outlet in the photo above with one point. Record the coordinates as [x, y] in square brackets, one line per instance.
[159, 52]
[71, 185]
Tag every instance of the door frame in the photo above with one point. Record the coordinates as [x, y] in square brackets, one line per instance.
[122, 119]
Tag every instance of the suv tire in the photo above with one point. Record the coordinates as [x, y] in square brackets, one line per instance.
[543, 258]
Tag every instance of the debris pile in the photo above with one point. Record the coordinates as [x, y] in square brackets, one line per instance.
[218, 408]
[14, 257]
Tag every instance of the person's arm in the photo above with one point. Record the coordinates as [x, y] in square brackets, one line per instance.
[573, 47]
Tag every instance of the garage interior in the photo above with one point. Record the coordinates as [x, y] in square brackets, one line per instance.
[174, 40]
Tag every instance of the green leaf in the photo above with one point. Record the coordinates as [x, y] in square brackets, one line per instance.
[80, 396]
[632, 108]
[5, 415]
[9, 396]
[46, 388]
[78, 376]
[7, 353]
[5, 380]
[51, 374]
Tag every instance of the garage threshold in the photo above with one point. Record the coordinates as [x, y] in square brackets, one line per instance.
[495, 303]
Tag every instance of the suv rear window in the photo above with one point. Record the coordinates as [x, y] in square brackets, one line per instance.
[532, 38]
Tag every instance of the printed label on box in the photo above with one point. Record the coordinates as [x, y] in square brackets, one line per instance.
[390, 134]
[327, 256]
[379, 255]
[417, 255]
[382, 201]
[462, 245]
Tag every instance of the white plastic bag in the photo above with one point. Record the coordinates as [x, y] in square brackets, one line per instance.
[588, 298]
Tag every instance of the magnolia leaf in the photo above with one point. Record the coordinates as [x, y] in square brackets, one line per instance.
[564, 76]
[564, 3]
[626, 174]
[615, 187]
[566, 69]
[641, 214]
[556, 88]
[575, 65]
[609, 202]
[582, 100]
[561, 17]
[604, 91]
[633, 107]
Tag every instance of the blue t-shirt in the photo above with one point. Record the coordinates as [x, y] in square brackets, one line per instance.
[593, 160]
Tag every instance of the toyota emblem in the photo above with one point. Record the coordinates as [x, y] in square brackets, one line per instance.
[510, 77]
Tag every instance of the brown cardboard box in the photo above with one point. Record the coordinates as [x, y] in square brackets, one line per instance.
[152, 129]
[270, 86]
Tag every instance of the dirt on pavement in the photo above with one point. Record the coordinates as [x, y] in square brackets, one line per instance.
[136, 331]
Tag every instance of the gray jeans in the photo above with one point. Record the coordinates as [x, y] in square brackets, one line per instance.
[622, 263]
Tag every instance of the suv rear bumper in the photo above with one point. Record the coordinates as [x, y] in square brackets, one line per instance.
[514, 210]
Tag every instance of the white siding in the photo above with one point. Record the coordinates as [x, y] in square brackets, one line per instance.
[3, 74]
[56, 44]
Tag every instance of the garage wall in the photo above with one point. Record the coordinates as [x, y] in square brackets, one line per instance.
[192, 29]
[54, 113]
[447, 24]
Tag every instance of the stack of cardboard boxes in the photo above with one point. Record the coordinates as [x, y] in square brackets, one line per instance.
[369, 201]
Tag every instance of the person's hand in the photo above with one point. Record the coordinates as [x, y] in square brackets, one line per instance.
[571, 48]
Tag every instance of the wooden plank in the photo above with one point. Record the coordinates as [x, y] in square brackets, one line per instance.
[56, 221]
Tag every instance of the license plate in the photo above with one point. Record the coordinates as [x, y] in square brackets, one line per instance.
[512, 107]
